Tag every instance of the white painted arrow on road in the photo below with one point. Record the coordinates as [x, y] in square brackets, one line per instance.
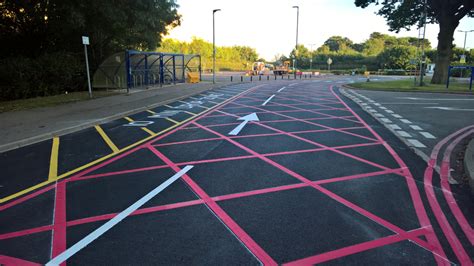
[246, 119]
[449, 108]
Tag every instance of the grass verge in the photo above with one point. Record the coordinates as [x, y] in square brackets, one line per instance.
[408, 85]
[24, 104]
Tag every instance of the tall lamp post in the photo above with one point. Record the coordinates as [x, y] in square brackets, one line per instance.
[214, 45]
[464, 47]
[311, 56]
[296, 46]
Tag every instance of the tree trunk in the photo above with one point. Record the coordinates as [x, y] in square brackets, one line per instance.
[447, 25]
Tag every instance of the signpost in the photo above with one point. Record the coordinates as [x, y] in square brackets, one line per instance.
[329, 63]
[85, 41]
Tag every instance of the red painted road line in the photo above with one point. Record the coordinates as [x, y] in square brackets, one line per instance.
[26, 232]
[315, 124]
[137, 212]
[448, 195]
[10, 261]
[118, 173]
[27, 197]
[59, 227]
[438, 251]
[337, 198]
[346, 251]
[249, 243]
[448, 231]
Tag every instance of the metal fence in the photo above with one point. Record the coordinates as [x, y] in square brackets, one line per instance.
[135, 69]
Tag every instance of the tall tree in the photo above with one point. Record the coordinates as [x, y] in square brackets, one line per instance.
[407, 13]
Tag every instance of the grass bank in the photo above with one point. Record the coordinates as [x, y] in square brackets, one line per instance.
[408, 85]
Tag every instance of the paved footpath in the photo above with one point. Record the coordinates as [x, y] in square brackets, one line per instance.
[288, 172]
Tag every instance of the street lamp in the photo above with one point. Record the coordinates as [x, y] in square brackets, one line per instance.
[465, 37]
[311, 56]
[296, 46]
[214, 45]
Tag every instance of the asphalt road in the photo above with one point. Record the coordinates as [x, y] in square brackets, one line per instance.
[315, 179]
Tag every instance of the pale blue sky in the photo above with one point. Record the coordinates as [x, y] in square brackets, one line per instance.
[270, 26]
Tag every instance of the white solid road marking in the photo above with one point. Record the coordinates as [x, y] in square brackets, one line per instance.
[281, 89]
[293, 84]
[415, 127]
[416, 143]
[406, 121]
[246, 119]
[427, 135]
[394, 127]
[386, 120]
[403, 134]
[428, 99]
[269, 99]
[397, 116]
[449, 108]
[114, 221]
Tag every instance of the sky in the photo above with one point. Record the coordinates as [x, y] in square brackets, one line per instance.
[269, 26]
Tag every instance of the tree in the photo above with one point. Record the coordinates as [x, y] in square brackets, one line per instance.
[407, 13]
[397, 57]
[339, 44]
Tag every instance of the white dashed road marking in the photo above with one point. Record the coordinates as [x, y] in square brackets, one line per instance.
[394, 127]
[427, 135]
[416, 143]
[403, 134]
[415, 127]
[406, 121]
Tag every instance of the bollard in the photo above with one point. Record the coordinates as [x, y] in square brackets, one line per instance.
[241, 79]
[300, 76]
[259, 78]
[275, 77]
[304, 76]
[251, 78]
[288, 76]
[281, 76]
[309, 76]
[231, 78]
[268, 77]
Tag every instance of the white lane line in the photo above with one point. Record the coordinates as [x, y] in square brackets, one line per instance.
[397, 116]
[386, 120]
[406, 121]
[403, 134]
[269, 99]
[427, 135]
[114, 221]
[415, 127]
[281, 89]
[394, 127]
[416, 143]
[292, 84]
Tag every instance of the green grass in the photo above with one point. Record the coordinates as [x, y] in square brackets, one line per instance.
[24, 104]
[408, 85]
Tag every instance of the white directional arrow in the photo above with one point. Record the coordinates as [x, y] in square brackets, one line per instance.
[246, 119]
[449, 108]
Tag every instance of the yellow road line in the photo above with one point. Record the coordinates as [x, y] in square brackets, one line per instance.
[169, 106]
[128, 119]
[80, 168]
[190, 113]
[106, 139]
[53, 162]
[148, 131]
[172, 120]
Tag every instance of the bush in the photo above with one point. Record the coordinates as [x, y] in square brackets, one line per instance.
[395, 72]
[49, 74]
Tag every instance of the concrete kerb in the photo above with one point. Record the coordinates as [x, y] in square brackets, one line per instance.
[68, 130]
[469, 163]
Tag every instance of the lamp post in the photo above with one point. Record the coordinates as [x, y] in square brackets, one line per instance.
[296, 46]
[464, 47]
[311, 56]
[214, 45]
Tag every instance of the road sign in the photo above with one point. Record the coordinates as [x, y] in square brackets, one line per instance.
[85, 40]
[462, 60]
[329, 61]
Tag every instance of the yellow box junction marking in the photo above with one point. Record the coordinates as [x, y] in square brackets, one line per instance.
[53, 162]
[106, 138]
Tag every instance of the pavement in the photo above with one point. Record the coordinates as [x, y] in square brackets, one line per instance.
[309, 177]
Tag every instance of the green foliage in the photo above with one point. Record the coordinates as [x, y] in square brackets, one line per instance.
[227, 58]
[397, 57]
[35, 33]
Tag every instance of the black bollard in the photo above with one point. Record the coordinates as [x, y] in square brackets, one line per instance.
[259, 78]
[231, 78]
[268, 77]
[241, 79]
[251, 78]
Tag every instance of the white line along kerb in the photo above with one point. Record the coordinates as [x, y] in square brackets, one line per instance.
[114, 221]
[269, 99]
[281, 89]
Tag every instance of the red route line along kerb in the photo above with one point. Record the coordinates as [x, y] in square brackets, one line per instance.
[60, 223]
